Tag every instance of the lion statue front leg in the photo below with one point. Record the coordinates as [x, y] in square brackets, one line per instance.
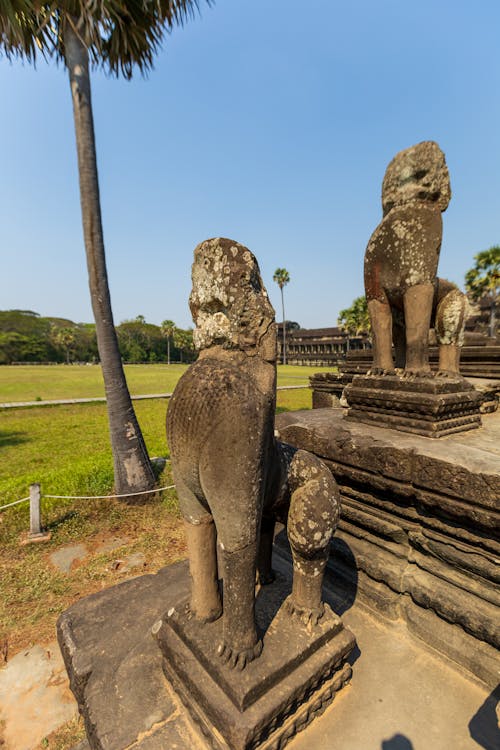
[312, 520]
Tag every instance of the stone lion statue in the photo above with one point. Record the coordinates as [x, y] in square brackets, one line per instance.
[405, 297]
[233, 478]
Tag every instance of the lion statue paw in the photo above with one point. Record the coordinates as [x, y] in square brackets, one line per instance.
[308, 616]
[238, 658]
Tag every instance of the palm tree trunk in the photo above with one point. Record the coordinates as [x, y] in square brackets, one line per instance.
[132, 468]
[493, 316]
[168, 350]
[284, 326]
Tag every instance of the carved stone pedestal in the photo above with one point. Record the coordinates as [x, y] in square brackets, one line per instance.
[434, 406]
[277, 695]
[115, 669]
[327, 388]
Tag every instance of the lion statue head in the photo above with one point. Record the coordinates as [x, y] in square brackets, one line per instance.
[229, 302]
[417, 173]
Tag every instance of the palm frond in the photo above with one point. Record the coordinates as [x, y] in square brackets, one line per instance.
[24, 29]
[118, 34]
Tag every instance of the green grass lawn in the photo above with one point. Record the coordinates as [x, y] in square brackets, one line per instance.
[50, 382]
[66, 448]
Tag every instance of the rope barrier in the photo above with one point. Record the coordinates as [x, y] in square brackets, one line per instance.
[16, 502]
[106, 497]
[93, 497]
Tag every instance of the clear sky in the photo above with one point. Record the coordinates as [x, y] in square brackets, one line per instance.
[267, 121]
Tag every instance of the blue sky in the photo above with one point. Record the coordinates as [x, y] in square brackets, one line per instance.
[267, 121]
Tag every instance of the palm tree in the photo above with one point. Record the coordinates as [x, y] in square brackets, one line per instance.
[65, 337]
[183, 340]
[355, 319]
[168, 330]
[116, 35]
[282, 277]
[483, 280]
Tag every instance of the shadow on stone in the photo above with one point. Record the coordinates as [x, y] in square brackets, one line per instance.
[398, 742]
[484, 725]
[342, 575]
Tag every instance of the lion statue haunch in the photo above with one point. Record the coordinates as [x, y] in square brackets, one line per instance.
[404, 295]
[233, 477]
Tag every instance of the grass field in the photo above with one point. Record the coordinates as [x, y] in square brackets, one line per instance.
[66, 449]
[50, 382]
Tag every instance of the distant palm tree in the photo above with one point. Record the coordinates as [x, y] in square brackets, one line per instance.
[483, 280]
[116, 35]
[168, 328]
[183, 340]
[355, 319]
[282, 277]
[65, 337]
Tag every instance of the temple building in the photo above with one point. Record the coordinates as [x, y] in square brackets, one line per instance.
[318, 346]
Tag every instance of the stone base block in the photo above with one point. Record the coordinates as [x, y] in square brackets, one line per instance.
[129, 698]
[323, 399]
[327, 388]
[295, 678]
[434, 406]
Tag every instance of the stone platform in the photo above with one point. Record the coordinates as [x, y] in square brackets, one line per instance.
[434, 406]
[115, 669]
[419, 536]
[294, 679]
[402, 695]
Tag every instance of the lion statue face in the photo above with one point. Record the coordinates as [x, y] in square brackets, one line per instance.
[418, 173]
[229, 302]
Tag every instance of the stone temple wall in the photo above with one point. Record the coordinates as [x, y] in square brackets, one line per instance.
[419, 532]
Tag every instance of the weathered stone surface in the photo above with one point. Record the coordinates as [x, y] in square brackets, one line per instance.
[327, 388]
[476, 361]
[418, 173]
[421, 522]
[233, 478]
[406, 299]
[136, 560]
[114, 665]
[480, 365]
[275, 695]
[110, 545]
[34, 697]
[64, 557]
[399, 686]
[434, 407]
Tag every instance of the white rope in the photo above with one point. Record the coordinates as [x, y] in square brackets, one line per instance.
[106, 497]
[16, 502]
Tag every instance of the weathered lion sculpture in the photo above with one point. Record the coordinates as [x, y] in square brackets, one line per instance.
[405, 297]
[233, 477]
